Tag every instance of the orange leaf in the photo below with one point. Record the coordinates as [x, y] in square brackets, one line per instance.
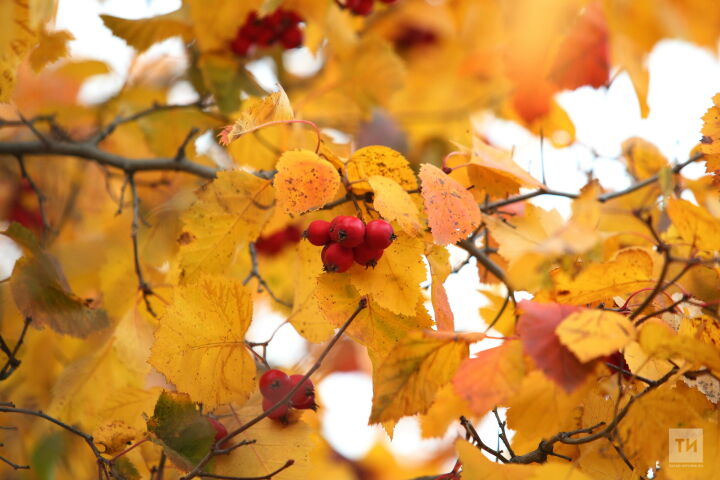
[304, 181]
[488, 379]
[452, 211]
[494, 171]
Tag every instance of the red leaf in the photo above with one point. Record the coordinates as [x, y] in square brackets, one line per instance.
[536, 328]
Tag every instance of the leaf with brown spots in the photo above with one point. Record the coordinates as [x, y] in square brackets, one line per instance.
[304, 181]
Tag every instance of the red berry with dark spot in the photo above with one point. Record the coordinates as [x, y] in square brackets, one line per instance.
[274, 384]
[361, 7]
[220, 430]
[379, 234]
[291, 37]
[366, 256]
[348, 232]
[337, 258]
[279, 413]
[304, 397]
[318, 233]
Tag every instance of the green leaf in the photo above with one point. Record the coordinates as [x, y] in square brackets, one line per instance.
[123, 469]
[181, 429]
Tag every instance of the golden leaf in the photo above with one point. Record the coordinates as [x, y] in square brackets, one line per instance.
[494, 171]
[695, 225]
[406, 382]
[229, 211]
[200, 343]
[395, 204]
[395, 281]
[143, 33]
[256, 112]
[304, 181]
[439, 261]
[17, 37]
[381, 161]
[53, 46]
[591, 334]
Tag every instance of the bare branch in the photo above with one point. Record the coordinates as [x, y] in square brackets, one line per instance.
[12, 362]
[14, 465]
[143, 286]
[472, 433]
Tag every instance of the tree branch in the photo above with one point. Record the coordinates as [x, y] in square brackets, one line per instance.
[12, 362]
[269, 476]
[255, 273]
[143, 286]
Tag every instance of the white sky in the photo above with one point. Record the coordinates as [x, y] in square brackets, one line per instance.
[683, 81]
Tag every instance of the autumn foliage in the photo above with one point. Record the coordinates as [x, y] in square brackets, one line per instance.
[151, 233]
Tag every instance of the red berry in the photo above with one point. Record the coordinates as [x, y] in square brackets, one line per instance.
[292, 234]
[220, 430]
[241, 45]
[265, 36]
[318, 232]
[279, 413]
[304, 397]
[361, 7]
[348, 232]
[292, 37]
[272, 244]
[274, 384]
[379, 234]
[366, 256]
[293, 18]
[337, 258]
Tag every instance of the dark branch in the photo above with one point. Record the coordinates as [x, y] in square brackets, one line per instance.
[41, 198]
[12, 362]
[143, 286]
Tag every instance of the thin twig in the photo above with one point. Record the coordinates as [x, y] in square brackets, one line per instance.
[503, 433]
[41, 198]
[15, 465]
[180, 155]
[255, 273]
[143, 286]
[472, 433]
[12, 362]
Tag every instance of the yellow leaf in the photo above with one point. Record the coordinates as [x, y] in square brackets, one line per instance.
[216, 21]
[304, 181]
[143, 33]
[17, 37]
[695, 225]
[477, 467]
[273, 445]
[591, 334]
[642, 364]
[660, 341]
[490, 377]
[642, 158]
[494, 171]
[528, 231]
[395, 204]
[451, 209]
[395, 281]
[710, 142]
[506, 323]
[407, 381]
[53, 46]
[200, 343]
[445, 410]
[381, 161]
[230, 211]
[256, 112]
[378, 329]
[629, 271]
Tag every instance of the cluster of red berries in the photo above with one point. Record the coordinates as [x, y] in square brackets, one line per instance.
[361, 7]
[347, 239]
[274, 385]
[273, 243]
[281, 26]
